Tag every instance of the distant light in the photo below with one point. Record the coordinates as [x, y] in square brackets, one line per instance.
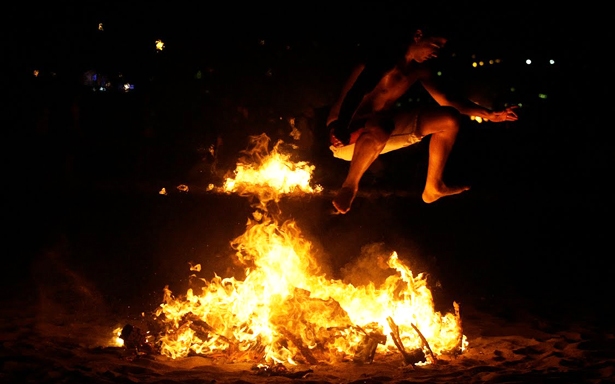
[127, 87]
[199, 74]
[261, 42]
[481, 63]
[528, 61]
[100, 27]
[490, 61]
[35, 73]
[542, 95]
[498, 61]
[512, 89]
[474, 64]
[439, 73]
[159, 45]
[551, 61]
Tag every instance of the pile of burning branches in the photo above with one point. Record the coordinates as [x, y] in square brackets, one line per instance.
[284, 310]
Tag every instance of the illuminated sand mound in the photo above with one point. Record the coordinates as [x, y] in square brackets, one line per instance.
[285, 310]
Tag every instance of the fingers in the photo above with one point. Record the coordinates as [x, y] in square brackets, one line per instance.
[509, 114]
[335, 141]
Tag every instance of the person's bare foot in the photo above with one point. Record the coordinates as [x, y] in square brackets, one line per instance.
[432, 194]
[343, 199]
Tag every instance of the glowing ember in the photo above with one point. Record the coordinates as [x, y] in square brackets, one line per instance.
[285, 310]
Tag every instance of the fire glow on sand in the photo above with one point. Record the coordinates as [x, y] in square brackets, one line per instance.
[285, 311]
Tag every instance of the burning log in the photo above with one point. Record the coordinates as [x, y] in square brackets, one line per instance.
[302, 348]
[416, 356]
[425, 343]
[201, 328]
[367, 349]
[136, 339]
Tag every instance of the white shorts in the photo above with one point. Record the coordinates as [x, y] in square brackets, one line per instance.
[402, 136]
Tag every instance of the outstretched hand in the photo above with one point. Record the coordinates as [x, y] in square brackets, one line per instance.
[507, 114]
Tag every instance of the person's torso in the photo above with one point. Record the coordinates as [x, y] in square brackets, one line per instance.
[393, 85]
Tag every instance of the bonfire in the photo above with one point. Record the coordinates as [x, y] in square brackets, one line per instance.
[285, 310]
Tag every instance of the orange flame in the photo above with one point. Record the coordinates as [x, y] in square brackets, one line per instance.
[286, 310]
[269, 175]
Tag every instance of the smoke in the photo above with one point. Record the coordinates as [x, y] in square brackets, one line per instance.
[370, 267]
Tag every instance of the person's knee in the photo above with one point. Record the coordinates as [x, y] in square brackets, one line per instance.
[450, 119]
[375, 140]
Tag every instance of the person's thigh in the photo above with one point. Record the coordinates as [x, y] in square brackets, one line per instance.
[436, 119]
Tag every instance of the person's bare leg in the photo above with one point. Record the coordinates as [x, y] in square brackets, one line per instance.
[440, 146]
[367, 148]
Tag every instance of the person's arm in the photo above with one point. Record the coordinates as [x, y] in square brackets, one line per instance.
[343, 100]
[362, 80]
[464, 105]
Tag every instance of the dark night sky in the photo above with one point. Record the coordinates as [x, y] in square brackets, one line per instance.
[57, 33]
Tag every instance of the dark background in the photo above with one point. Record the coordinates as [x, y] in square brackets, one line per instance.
[86, 166]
